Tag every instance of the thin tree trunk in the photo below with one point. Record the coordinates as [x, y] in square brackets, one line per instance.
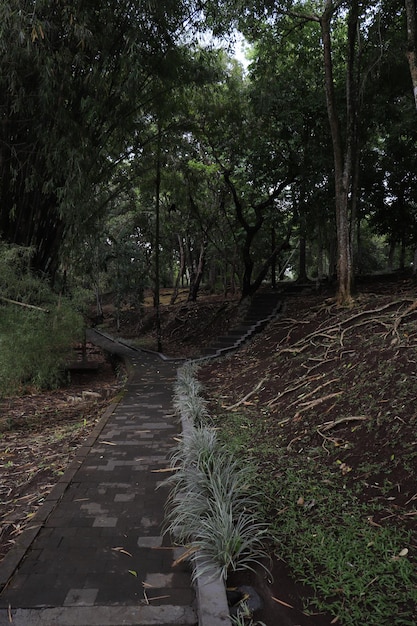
[342, 158]
[157, 240]
[391, 255]
[197, 274]
[302, 260]
[181, 270]
[415, 262]
[403, 250]
[411, 10]
[274, 262]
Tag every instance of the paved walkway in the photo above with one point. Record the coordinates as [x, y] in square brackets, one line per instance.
[95, 554]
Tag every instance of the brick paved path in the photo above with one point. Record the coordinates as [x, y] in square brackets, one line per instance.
[96, 554]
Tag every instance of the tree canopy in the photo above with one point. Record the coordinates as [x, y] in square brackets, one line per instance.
[310, 146]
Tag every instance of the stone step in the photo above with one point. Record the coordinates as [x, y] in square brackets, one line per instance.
[264, 307]
[222, 346]
[240, 330]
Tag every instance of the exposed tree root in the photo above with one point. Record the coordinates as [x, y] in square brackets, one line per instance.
[272, 402]
[342, 420]
[312, 393]
[306, 406]
[331, 342]
[248, 395]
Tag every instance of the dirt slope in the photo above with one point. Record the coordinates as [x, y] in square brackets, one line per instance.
[332, 391]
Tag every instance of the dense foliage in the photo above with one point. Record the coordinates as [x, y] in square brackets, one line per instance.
[77, 83]
[126, 134]
[37, 327]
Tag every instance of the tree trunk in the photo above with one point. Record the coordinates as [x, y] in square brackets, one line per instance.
[391, 255]
[358, 256]
[342, 157]
[181, 270]
[403, 250]
[411, 10]
[274, 262]
[157, 241]
[302, 255]
[415, 262]
[197, 274]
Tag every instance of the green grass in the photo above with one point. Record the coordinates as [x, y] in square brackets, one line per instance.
[355, 568]
[359, 573]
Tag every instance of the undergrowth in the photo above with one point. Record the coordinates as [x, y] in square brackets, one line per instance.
[360, 572]
[37, 326]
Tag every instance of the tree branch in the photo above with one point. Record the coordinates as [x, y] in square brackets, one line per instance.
[27, 306]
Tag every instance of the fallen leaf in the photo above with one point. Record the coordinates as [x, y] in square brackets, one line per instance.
[282, 602]
[184, 556]
[372, 523]
[122, 551]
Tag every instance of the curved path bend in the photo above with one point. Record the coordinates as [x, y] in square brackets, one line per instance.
[95, 554]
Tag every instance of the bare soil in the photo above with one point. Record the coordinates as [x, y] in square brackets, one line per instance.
[338, 384]
[342, 380]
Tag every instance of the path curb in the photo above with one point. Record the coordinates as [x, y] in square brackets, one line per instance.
[101, 616]
[212, 607]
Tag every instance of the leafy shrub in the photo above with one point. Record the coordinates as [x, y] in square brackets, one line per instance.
[37, 327]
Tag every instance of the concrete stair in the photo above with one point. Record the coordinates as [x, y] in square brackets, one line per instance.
[264, 307]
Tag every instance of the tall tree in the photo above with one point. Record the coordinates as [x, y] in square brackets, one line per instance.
[411, 16]
[343, 28]
[255, 169]
[288, 95]
[344, 155]
[76, 83]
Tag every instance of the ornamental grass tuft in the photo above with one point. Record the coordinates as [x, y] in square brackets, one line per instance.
[212, 505]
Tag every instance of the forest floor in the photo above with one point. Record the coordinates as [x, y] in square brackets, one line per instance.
[333, 388]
